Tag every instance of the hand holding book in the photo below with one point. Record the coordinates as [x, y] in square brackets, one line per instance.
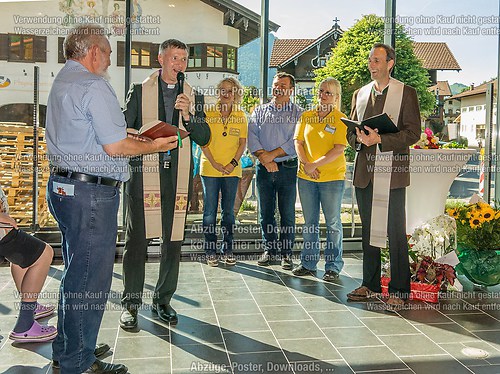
[381, 123]
[158, 129]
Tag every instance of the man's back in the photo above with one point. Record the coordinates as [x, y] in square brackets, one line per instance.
[83, 114]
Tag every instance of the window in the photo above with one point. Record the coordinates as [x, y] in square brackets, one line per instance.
[480, 131]
[464, 110]
[214, 56]
[26, 48]
[231, 58]
[195, 56]
[479, 107]
[143, 55]
[471, 109]
[4, 46]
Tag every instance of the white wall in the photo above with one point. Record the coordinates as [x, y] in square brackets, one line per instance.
[470, 119]
[191, 21]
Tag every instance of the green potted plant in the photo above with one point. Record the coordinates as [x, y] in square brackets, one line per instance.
[478, 241]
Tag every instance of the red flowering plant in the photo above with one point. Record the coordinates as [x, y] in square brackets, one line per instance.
[425, 270]
[427, 140]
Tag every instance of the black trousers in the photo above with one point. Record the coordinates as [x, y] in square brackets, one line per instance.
[136, 244]
[398, 245]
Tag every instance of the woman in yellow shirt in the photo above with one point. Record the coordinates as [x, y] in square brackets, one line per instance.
[320, 139]
[220, 170]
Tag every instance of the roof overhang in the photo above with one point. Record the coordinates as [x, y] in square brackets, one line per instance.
[241, 18]
[315, 43]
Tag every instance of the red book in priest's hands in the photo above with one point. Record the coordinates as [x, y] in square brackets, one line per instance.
[158, 129]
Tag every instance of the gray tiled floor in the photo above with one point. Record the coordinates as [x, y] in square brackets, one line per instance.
[246, 319]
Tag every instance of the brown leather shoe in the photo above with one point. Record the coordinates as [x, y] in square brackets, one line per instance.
[362, 293]
[394, 304]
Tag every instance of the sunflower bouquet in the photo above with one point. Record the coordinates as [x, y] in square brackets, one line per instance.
[478, 225]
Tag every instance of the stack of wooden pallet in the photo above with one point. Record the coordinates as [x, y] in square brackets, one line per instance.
[16, 173]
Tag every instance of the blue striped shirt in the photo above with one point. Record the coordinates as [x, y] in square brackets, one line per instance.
[83, 114]
[271, 127]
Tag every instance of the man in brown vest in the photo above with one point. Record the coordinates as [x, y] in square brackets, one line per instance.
[382, 174]
[157, 193]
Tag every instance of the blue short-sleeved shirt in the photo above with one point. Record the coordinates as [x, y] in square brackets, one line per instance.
[83, 114]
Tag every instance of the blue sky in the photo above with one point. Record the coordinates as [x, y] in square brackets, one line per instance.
[476, 54]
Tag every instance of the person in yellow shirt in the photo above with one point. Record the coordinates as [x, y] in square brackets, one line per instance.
[320, 140]
[220, 169]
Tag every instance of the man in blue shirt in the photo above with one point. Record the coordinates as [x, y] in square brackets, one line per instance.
[86, 143]
[270, 139]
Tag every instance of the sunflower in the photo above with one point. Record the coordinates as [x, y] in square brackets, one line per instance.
[474, 223]
[482, 205]
[497, 215]
[473, 213]
[488, 214]
[454, 212]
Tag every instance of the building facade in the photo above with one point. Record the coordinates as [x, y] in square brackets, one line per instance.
[472, 117]
[214, 30]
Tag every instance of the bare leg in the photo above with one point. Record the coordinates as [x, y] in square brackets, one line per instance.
[29, 281]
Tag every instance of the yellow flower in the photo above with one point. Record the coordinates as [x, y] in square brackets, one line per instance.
[453, 213]
[497, 215]
[474, 223]
[482, 205]
[473, 214]
[488, 214]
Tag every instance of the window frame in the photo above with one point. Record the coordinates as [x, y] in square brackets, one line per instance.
[38, 52]
[204, 58]
[139, 46]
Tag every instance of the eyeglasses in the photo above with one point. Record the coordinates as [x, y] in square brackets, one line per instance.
[327, 93]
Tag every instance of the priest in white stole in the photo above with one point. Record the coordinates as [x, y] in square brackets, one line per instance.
[382, 174]
[157, 193]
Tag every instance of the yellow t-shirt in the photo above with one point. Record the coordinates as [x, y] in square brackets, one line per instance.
[319, 137]
[223, 148]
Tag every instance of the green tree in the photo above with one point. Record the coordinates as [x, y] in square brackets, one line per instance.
[250, 98]
[301, 101]
[348, 63]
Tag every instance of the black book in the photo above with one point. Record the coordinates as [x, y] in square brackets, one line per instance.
[381, 122]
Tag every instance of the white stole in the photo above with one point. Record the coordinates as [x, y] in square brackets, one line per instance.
[151, 175]
[383, 160]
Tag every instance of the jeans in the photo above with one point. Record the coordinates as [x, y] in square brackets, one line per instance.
[211, 187]
[88, 223]
[329, 195]
[280, 186]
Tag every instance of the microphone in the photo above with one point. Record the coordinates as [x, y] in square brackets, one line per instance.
[180, 82]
